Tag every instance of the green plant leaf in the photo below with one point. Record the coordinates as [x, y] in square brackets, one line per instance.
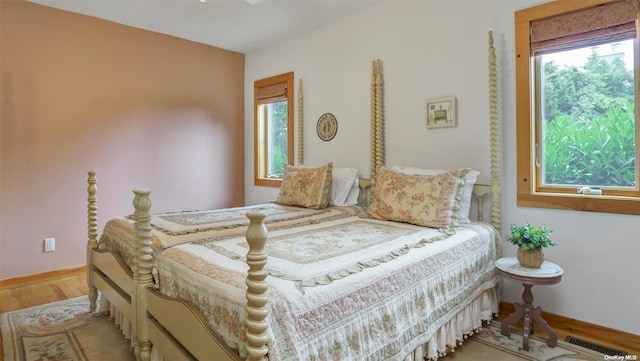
[530, 237]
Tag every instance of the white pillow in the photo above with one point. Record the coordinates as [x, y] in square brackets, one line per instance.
[465, 199]
[354, 193]
[342, 187]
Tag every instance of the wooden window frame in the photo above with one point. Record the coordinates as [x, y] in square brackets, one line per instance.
[259, 144]
[529, 193]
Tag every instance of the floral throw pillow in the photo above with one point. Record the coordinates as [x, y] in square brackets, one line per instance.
[430, 201]
[306, 187]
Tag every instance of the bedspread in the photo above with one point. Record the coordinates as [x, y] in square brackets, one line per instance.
[170, 229]
[349, 289]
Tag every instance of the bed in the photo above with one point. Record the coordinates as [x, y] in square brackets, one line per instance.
[179, 322]
[177, 314]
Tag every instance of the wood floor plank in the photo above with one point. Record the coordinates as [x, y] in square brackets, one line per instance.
[57, 290]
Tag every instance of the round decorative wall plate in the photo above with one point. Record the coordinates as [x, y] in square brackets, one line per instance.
[327, 126]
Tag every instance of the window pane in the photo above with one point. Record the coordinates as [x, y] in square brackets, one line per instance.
[587, 125]
[277, 138]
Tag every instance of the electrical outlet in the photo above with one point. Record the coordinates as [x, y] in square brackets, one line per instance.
[49, 244]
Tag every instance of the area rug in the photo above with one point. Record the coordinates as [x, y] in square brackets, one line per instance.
[489, 344]
[64, 330]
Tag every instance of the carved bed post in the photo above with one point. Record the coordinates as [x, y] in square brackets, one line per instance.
[256, 332]
[92, 243]
[377, 122]
[495, 127]
[142, 272]
[300, 124]
[372, 126]
[495, 141]
[379, 117]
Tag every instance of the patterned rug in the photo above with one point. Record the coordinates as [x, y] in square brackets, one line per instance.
[489, 344]
[66, 331]
[62, 331]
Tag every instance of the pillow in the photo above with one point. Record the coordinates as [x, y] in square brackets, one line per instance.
[342, 183]
[306, 187]
[465, 201]
[354, 193]
[430, 201]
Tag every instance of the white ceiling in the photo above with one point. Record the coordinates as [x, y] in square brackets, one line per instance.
[235, 25]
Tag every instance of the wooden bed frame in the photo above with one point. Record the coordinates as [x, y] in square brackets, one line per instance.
[151, 314]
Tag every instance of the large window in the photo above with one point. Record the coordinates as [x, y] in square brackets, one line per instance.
[273, 128]
[576, 97]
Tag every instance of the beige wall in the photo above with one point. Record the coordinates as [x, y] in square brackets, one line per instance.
[425, 57]
[144, 110]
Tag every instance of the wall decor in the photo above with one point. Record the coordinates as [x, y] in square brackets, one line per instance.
[441, 113]
[327, 127]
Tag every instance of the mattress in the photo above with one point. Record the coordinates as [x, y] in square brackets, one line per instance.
[353, 288]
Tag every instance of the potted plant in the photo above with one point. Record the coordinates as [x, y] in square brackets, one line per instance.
[530, 241]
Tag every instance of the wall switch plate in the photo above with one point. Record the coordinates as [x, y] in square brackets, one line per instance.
[49, 244]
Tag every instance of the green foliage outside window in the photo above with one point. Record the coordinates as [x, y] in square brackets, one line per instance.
[599, 152]
[589, 124]
[279, 138]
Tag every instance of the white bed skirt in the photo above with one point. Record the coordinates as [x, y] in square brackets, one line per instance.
[463, 323]
[118, 318]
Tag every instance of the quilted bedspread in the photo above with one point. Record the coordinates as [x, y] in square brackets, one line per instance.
[170, 229]
[353, 288]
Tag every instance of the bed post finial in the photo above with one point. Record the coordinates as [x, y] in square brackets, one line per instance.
[256, 331]
[92, 243]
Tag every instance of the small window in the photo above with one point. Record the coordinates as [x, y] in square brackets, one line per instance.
[576, 96]
[273, 128]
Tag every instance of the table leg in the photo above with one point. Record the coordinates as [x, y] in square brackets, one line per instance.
[528, 315]
[511, 319]
[524, 312]
[527, 298]
[553, 336]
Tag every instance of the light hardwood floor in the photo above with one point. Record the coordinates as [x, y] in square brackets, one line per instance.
[51, 288]
[40, 292]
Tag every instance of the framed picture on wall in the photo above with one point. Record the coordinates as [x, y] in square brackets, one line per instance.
[441, 113]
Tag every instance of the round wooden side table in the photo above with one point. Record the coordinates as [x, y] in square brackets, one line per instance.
[549, 273]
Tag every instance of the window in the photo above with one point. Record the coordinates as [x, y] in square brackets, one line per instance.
[273, 125]
[576, 115]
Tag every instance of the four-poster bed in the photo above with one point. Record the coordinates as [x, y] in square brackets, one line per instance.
[180, 330]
